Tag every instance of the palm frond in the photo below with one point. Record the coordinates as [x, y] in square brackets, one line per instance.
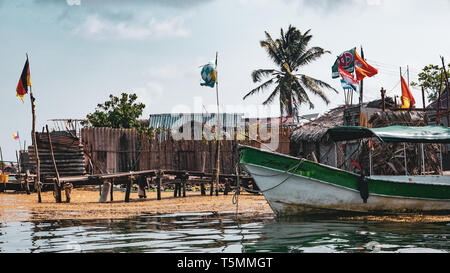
[260, 73]
[307, 83]
[272, 96]
[310, 55]
[259, 88]
[319, 83]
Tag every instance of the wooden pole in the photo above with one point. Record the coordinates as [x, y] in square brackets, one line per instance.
[111, 192]
[57, 182]
[423, 98]
[128, 190]
[18, 162]
[219, 131]
[404, 155]
[158, 186]
[383, 98]
[37, 183]
[361, 89]
[407, 73]
[184, 184]
[3, 164]
[439, 100]
[448, 89]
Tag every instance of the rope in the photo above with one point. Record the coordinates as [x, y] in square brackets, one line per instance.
[294, 168]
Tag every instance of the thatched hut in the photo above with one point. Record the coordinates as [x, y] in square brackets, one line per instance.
[309, 141]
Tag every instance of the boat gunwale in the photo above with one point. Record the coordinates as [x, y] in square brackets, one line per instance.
[340, 170]
[346, 188]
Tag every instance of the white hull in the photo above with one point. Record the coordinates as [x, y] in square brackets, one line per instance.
[299, 194]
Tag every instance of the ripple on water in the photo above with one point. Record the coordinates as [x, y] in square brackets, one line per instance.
[212, 232]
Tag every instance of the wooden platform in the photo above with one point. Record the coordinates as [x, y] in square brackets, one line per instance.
[143, 179]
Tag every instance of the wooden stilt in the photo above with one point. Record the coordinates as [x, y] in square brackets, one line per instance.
[142, 181]
[202, 189]
[106, 187]
[227, 187]
[158, 186]
[175, 189]
[27, 182]
[111, 191]
[211, 190]
[128, 191]
[68, 189]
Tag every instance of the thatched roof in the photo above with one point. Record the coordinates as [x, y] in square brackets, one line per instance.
[314, 131]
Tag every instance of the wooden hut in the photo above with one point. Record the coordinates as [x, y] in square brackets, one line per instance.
[309, 141]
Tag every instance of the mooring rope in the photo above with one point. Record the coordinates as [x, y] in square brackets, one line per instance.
[289, 172]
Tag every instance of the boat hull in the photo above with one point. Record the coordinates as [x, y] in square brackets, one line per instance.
[292, 186]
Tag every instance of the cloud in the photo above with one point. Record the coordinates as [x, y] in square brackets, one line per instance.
[97, 27]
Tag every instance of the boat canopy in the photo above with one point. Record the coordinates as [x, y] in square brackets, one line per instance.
[424, 134]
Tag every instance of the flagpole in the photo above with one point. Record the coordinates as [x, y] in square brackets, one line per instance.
[361, 90]
[33, 139]
[219, 129]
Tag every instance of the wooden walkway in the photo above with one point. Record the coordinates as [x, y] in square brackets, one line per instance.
[143, 179]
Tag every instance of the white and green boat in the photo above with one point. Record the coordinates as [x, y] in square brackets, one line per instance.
[296, 186]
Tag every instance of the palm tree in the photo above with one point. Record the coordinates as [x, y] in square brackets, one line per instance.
[289, 53]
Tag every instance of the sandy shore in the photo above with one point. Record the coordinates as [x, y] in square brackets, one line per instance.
[84, 205]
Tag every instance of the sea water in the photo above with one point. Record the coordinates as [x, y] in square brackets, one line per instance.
[223, 233]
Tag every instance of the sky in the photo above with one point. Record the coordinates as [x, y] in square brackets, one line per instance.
[80, 51]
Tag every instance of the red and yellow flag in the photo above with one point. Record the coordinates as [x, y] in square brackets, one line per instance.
[407, 97]
[363, 69]
[24, 81]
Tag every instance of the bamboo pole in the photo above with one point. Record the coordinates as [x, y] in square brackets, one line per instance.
[448, 90]
[219, 130]
[439, 100]
[1, 170]
[37, 183]
[57, 182]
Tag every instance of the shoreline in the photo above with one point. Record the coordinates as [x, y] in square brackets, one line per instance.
[84, 205]
[20, 207]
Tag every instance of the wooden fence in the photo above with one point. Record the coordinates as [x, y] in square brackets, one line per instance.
[110, 150]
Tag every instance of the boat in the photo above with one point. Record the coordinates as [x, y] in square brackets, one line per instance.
[294, 185]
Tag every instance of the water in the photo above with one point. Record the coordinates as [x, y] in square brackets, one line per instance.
[208, 232]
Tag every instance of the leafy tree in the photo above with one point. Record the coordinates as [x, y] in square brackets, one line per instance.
[289, 53]
[117, 112]
[430, 79]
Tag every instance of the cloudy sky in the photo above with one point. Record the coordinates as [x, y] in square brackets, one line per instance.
[83, 50]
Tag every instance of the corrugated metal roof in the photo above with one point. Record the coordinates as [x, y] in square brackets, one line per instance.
[175, 120]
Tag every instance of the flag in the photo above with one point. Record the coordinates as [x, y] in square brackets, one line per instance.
[348, 78]
[363, 69]
[354, 163]
[407, 98]
[346, 60]
[24, 81]
[208, 74]
[347, 86]
[16, 135]
[371, 145]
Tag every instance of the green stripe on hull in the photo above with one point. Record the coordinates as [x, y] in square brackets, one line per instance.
[342, 178]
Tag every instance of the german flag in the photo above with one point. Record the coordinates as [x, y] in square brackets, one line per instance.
[24, 81]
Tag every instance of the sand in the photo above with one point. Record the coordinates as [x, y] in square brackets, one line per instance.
[15, 207]
[84, 205]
